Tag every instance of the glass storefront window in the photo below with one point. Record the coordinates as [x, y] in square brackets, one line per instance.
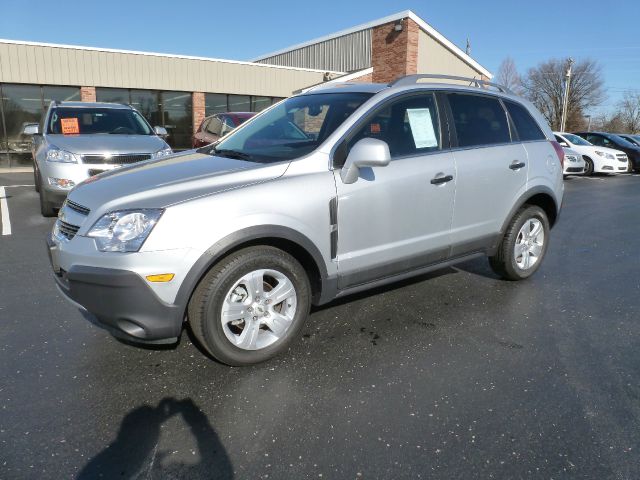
[239, 103]
[59, 94]
[113, 95]
[215, 103]
[177, 113]
[260, 103]
[147, 102]
[21, 105]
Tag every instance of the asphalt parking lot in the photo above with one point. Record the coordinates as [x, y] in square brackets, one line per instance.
[452, 375]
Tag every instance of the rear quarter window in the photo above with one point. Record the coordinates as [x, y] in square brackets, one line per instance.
[479, 120]
[526, 126]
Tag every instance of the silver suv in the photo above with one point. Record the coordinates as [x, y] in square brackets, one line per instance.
[334, 191]
[77, 140]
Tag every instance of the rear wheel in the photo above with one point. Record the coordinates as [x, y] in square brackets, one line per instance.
[250, 306]
[588, 166]
[523, 246]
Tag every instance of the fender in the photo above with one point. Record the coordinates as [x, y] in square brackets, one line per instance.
[228, 243]
[519, 203]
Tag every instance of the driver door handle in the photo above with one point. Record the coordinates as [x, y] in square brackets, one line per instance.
[516, 165]
[440, 180]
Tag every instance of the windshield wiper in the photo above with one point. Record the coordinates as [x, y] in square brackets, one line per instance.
[231, 154]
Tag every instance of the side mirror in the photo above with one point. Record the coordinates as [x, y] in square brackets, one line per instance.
[368, 152]
[31, 129]
[160, 131]
[564, 144]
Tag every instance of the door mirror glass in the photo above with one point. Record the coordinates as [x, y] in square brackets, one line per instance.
[31, 129]
[160, 131]
[368, 152]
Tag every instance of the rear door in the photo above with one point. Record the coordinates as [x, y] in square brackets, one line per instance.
[397, 218]
[491, 170]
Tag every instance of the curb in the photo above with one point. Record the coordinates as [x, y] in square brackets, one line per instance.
[16, 170]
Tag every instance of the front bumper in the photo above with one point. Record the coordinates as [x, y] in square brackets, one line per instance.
[120, 300]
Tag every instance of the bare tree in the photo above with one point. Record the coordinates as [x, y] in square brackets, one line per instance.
[509, 77]
[544, 86]
[629, 112]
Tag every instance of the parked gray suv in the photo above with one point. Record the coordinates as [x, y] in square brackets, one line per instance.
[330, 192]
[77, 140]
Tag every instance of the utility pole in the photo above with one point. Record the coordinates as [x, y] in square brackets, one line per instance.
[565, 98]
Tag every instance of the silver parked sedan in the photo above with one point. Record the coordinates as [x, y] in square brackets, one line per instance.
[77, 140]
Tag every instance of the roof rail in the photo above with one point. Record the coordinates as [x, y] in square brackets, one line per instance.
[413, 79]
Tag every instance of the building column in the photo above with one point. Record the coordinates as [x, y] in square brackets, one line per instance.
[198, 108]
[394, 53]
[87, 94]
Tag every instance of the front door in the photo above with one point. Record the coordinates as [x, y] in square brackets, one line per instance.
[397, 218]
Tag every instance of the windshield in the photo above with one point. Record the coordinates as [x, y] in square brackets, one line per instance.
[89, 121]
[291, 129]
[575, 139]
[621, 141]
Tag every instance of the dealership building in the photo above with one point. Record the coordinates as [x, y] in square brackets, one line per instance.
[177, 91]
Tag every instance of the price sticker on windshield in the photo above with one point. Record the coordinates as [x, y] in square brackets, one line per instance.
[70, 126]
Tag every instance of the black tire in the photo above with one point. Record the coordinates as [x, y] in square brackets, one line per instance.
[205, 306]
[588, 166]
[504, 262]
[46, 207]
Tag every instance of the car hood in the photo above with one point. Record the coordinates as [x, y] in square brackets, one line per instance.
[175, 179]
[105, 143]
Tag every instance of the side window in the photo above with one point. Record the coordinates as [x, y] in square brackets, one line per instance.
[559, 139]
[227, 125]
[409, 125]
[606, 142]
[479, 120]
[596, 140]
[526, 126]
[215, 126]
[205, 124]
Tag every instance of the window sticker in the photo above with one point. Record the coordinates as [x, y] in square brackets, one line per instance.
[70, 126]
[375, 128]
[422, 129]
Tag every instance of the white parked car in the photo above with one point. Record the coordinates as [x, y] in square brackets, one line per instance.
[597, 159]
[574, 164]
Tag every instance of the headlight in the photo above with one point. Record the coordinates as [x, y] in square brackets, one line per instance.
[572, 158]
[605, 155]
[56, 155]
[162, 153]
[124, 230]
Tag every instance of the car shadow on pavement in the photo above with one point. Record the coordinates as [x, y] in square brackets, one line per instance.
[135, 452]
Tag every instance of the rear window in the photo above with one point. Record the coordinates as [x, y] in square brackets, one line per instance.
[479, 120]
[526, 126]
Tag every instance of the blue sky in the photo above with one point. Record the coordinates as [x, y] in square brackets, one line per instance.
[527, 31]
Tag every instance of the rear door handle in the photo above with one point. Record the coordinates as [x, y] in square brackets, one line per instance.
[440, 180]
[516, 165]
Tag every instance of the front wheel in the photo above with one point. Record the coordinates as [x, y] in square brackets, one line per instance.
[523, 246]
[250, 306]
[588, 166]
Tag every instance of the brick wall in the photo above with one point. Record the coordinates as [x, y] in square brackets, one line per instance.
[198, 101]
[88, 94]
[394, 54]
[368, 78]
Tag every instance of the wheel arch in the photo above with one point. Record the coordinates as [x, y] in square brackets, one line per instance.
[540, 196]
[284, 238]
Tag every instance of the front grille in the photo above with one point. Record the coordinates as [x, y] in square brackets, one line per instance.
[115, 159]
[621, 157]
[67, 230]
[77, 207]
